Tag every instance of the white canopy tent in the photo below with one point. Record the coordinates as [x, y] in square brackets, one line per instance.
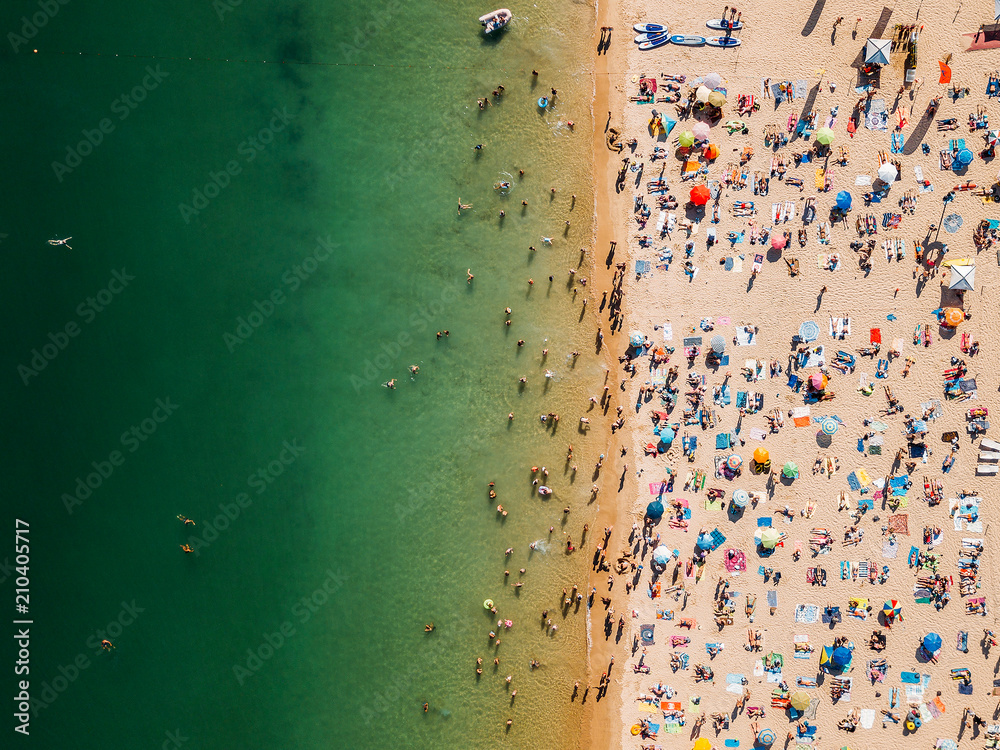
[963, 278]
[877, 51]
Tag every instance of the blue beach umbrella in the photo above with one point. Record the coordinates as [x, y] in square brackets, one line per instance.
[829, 426]
[841, 657]
[666, 436]
[661, 555]
[766, 738]
[932, 642]
[705, 541]
[740, 498]
[655, 509]
[809, 331]
[964, 157]
[843, 200]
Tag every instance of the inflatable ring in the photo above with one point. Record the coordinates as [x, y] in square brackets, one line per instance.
[488, 604]
[911, 726]
[543, 102]
[636, 728]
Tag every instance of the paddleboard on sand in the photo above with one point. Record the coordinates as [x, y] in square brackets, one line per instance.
[655, 42]
[652, 36]
[651, 28]
[687, 41]
[722, 41]
[722, 24]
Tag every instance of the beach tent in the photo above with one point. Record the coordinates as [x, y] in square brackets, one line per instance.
[877, 51]
[963, 278]
[655, 509]
[834, 659]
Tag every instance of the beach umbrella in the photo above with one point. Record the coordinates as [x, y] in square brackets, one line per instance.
[766, 738]
[711, 151]
[825, 136]
[841, 657]
[700, 130]
[800, 700]
[829, 426]
[741, 498]
[769, 538]
[718, 344]
[702, 744]
[808, 331]
[887, 173]
[666, 436]
[964, 157]
[734, 461]
[655, 510]
[818, 381]
[686, 139]
[717, 98]
[953, 316]
[700, 195]
[891, 609]
[877, 51]
[932, 643]
[843, 200]
[661, 555]
[713, 80]
[790, 470]
[635, 338]
[702, 93]
[704, 541]
[777, 241]
[963, 277]
[952, 222]
[761, 456]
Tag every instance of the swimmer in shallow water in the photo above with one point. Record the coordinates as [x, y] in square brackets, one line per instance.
[429, 627]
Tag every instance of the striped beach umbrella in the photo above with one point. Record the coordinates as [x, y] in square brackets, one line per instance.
[718, 344]
[734, 461]
[741, 498]
[892, 609]
[766, 738]
[829, 426]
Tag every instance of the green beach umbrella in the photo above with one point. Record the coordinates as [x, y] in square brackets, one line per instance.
[769, 538]
[790, 470]
[825, 136]
[686, 139]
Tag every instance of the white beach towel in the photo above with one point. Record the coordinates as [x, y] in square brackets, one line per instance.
[863, 179]
[867, 718]
[668, 332]
[745, 336]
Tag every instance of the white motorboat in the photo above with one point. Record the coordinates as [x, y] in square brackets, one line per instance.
[496, 20]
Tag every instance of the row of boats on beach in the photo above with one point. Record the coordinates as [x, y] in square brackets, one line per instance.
[653, 35]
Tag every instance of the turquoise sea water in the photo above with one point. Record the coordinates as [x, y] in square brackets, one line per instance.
[256, 247]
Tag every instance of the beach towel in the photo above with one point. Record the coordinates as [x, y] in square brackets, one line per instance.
[800, 89]
[713, 505]
[772, 598]
[646, 633]
[642, 267]
[807, 613]
[899, 524]
[876, 117]
[763, 521]
[745, 336]
[867, 718]
[889, 550]
[800, 416]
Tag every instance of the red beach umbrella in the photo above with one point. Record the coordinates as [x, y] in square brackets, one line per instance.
[700, 195]
[777, 241]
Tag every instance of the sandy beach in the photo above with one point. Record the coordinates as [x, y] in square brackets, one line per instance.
[888, 294]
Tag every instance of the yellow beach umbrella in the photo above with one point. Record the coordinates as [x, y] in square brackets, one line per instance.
[716, 98]
[702, 744]
[686, 139]
[800, 700]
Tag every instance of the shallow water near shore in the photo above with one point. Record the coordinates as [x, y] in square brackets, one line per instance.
[256, 248]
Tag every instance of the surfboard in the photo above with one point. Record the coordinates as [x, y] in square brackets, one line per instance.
[655, 42]
[722, 41]
[722, 24]
[687, 41]
[651, 28]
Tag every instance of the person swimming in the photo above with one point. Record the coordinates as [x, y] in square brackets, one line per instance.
[429, 627]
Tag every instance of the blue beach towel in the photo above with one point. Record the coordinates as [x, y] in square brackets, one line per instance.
[763, 521]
